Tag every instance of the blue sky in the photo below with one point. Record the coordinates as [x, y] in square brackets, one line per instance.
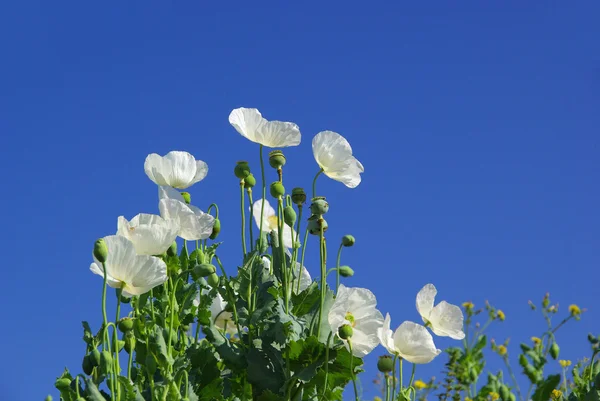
[477, 124]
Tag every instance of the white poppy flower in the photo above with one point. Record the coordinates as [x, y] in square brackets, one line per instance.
[176, 169]
[305, 278]
[191, 224]
[222, 319]
[271, 222]
[135, 274]
[273, 134]
[334, 155]
[149, 233]
[410, 341]
[356, 307]
[444, 319]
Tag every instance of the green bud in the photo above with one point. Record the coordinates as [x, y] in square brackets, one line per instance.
[504, 393]
[187, 198]
[48, 398]
[124, 300]
[319, 205]
[348, 240]
[276, 159]
[249, 181]
[126, 324]
[150, 363]
[554, 351]
[385, 364]
[512, 397]
[289, 216]
[106, 362]
[298, 196]
[345, 332]
[531, 373]
[203, 270]
[473, 374]
[346, 271]
[593, 340]
[241, 170]
[118, 346]
[315, 222]
[277, 189]
[62, 384]
[87, 365]
[95, 357]
[213, 280]
[129, 339]
[100, 250]
[525, 347]
[172, 251]
[216, 229]
[523, 361]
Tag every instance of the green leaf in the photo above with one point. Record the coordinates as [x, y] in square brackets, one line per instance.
[127, 392]
[91, 391]
[480, 344]
[306, 300]
[158, 346]
[88, 336]
[204, 363]
[544, 389]
[230, 352]
[212, 392]
[266, 369]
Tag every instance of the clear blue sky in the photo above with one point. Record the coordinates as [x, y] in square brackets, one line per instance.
[477, 123]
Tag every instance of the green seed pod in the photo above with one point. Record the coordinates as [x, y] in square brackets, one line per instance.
[473, 374]
[385, 364]
[348, 240]
[346, 271]
[249, 181]
[554, 351]
[289, 216]
[150, 363]
[523, 360]
[172, 251]
[187, 198]
[241, 170]
[504, 393]
[87, 365]
[512, 397]
[95, 357]
[100, 250]
[129, 339]
[276, 159]
[345, 332]
[106, 362]
[199, 256]
[124, 300]
[593, 340]
[298, 196]
[319, 205]
[48, 398]
[277, 189]
[315, 223]
[62, 384]
[203, 270]
[213, 280]
[216, 229]
[126, 324]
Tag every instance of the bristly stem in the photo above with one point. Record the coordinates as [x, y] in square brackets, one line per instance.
[352, 371]
[337, 268]
[242, 204]
[314, 185]
[323, 278]
[264, 195]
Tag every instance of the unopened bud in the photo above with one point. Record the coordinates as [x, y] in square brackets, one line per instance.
[249, 181]
[172, 251]
[150, 364]
[345, 332]
[213, 280]
[105, 362]
[504, 393]
[385, 364]
[298, 196]
[554, 350]
[276, 159]
[346, 271]
[87, 365]
[277, 189]
[348, 240]
[187, 198]
[125, 324]
[315, 224]
[129, 342]
[289, 216]
[319, 205]
[100, 250]
[95, 357]
[203, 270]
[48, 398]
[216, 229]
[62, 384]
[241, 170]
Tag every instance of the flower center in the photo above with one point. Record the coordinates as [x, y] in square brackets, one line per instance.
[273, 223]
[350, 318]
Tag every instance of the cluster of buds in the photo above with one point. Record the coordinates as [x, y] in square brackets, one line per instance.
[316, 222]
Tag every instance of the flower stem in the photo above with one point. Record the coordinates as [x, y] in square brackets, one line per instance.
[326, 364]
[172, 306]
[249, 190]
[512, 376]
[337, 268]
[387, 387]
[115, 338]
[264, 195]
[352, 371]
[323, 279]
[295, 258]
[231, 297]
[105, 320]
[284, 269]
[400, 382]
[394, 376]
[314, 185]
[242, 204]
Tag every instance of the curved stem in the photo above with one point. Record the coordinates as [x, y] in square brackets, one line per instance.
[400, 383]
[337, 266]
[264, 195]
[251, 219]
[412, 374]
[105, 320]
[326, 363]
[213, 205]
[242, 204]
[314, 185]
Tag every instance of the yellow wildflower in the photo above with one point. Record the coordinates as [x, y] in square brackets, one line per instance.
[420, 384]
[468, 305]
[502, 350]
[500, 315]
[556, 394]
[564, 363]
[536, 340]
[468, 399]
[494, 396]
[574, 310]
[377, 398]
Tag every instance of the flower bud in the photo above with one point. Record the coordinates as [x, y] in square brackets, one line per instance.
[554, 351]
[241, 170]
[276, 159]
[298, 196]
[172, 251]
[100, 250]
[95, 357]
[86, 365]
[105, 362]
[150, 363]
[126, 324]
[315, 223]
[213, 280]
[48, 398]
[504, 393]
[277, 189]
[203, 270]
[345, 332]
[187, 198]
[198, 254]
[289, 216]
[593, 340]
[129, 342]
[124, 300]
[346, 271]
[63, 383]
[319, 205]
[348, 240]
[216, 229]
[249, 181]
[118, 345]
[385, 364]
[512, 397]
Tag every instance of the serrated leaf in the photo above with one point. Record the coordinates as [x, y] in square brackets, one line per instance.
[265, 369]
[158, 347]
[127, 392]
[230, 352]
[91, 391]
[543, 391]
[306, 300]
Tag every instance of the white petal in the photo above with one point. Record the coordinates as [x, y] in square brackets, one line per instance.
[166, 192]
[333, 153]
[363, 343]
[337, 312]
[201, 171]
[414, 343]
[267, 213]
[151, 234]
[246, 122]
[147, 273]
[447, 320]
[278, 134]
[385, 335]
[362, 303]
[96, 268]
[153, 166]
[425, 299]
[176, 169]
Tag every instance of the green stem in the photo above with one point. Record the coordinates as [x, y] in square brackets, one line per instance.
[242, 204]
[394, 381]
[337, 266]
[412, 374]
[513, 377]
[314, 185]
[105, 320]
[352, 371]
[326, 364]
[400, 383]
[592, 364]
[172, 306]
[295, 253]
[129, 363]
[323, 279]
[115, 337]
[264, 196]
[251, 219]
[387, 387]
[304, 246]
[231, 297]
[284, 269]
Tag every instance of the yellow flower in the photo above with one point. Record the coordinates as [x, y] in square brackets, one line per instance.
[500, 315]
[502, 350]
[536, 340]
[556, 394]
[468, 399]
[468, 305]
[377, 398]
[420, 384]
[574, 310]
[564, 363]
[494, 396]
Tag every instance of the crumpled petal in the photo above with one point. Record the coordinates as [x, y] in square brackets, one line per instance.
[447, 320]
[176, 169]
[333, 154]
[414, 343]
